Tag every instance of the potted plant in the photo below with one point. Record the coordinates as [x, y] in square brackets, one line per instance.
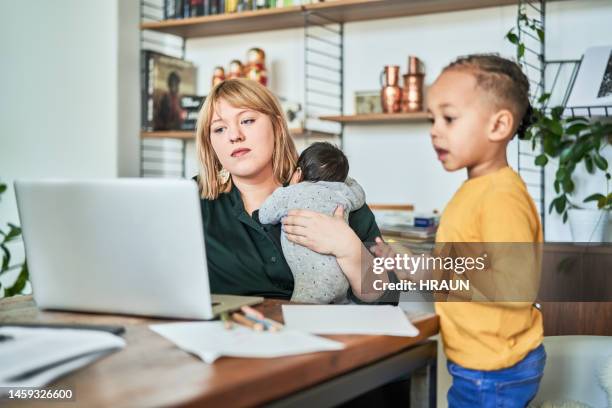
[6, 238]
[572, 143]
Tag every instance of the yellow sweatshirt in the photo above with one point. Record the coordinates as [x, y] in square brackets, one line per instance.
[486, 335]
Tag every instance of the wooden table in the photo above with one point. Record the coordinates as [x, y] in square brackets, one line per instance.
[151, 371]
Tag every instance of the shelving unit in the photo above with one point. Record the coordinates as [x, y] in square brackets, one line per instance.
[341, 11]
[328, 17]
[379, 118]
[190, 135]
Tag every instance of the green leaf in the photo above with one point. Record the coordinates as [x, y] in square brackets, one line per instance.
[555, 127]
[528, 135]
[557, 186]
[6, 258]
[13, 233]
[601, 203]
[562, 173]
[552, 146]
[541, 160]
[580, 149]
[576, 128]
[608, 176]
[588, 163]
[568, 185]
[594, 197]
[2, 188]
[556, 113]
[544, 97]
[560, 204]
[565, 154]
[580, 119]
[513, 38]
[600, 162]
[19, 284]
[565, 217]
[540, 34]
[520, 51]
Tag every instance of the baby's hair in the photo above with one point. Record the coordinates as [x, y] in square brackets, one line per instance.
[322, 161]
[504, 80]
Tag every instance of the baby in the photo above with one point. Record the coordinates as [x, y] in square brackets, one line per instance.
[319, 183]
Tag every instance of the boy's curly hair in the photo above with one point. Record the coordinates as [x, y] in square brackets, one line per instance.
[504, 80]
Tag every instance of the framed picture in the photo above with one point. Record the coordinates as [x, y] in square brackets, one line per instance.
[367, 102]
[593, 85]
[293, 113]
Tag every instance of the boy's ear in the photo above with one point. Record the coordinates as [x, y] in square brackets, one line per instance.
[501, 126]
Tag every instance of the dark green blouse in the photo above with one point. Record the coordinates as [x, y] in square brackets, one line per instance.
[245, 256]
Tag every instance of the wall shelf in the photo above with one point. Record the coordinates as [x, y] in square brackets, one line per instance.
[190, 135]
[292, 17]
[168, 134]
[379, 118]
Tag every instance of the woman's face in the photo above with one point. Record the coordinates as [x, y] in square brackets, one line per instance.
[243, 140]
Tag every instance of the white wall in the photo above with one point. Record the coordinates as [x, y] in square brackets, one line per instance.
[63, 95]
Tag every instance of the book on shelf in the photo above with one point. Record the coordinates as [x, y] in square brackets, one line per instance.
[191, 105]
[177, 9]
[411, 233]
[164, 81]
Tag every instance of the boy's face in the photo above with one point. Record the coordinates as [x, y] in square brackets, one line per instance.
[460, 114]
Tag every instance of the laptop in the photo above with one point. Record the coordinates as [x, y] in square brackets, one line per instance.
[125, 246]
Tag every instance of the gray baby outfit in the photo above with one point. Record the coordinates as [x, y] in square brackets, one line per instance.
[318, 278]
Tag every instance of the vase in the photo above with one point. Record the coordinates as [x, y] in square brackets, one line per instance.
[588, 225]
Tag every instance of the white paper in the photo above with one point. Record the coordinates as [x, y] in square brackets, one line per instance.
[210, 340]
[46, 376]
[59, 351]
[589, 80]
[348, 319]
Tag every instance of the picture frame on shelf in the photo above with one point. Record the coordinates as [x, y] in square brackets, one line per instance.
[367, 102]
[293, 113]
[593, 84]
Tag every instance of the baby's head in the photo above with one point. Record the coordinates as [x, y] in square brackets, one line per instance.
[476, 105]
[321, 161]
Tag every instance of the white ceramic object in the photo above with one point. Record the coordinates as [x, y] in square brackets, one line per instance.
[588, 225]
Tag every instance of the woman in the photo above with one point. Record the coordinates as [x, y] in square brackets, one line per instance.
[245, 153]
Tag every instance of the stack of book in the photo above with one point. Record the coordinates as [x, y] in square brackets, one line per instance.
[417, 231]
[174, 9]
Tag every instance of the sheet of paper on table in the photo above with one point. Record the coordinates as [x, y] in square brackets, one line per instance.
[33, 357]
[349, 319]
[210, 340]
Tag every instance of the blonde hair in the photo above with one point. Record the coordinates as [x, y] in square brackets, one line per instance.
[242, 93]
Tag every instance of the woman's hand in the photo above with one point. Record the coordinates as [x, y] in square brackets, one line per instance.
[321, 233]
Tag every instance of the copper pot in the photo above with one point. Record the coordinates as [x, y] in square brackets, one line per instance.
[413, 86]
[391, 93]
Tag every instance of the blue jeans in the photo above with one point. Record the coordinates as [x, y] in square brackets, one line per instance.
[509, 387]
